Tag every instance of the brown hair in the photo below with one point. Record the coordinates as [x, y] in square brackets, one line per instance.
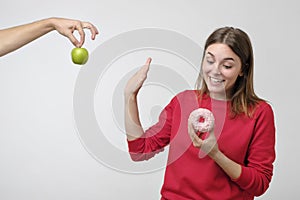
[243, 98]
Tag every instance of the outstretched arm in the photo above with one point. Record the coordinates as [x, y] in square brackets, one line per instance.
[14, 38]
[133, 126]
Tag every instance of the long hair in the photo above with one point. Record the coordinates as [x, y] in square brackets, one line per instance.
[243, 98]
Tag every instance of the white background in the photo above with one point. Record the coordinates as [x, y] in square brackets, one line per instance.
[41, 156]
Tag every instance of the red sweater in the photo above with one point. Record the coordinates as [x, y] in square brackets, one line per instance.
[190, 175]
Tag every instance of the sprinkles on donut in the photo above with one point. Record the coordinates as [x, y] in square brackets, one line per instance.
[202, 120]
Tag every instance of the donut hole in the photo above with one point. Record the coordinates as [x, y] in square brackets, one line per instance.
[201, 119]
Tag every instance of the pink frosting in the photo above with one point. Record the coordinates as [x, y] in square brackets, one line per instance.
[204, 125]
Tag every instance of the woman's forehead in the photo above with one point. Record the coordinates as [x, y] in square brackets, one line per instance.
[221, 51]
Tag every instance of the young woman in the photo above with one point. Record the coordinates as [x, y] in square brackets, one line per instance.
[232, 161]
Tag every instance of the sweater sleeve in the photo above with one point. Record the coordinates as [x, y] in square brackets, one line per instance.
[155, 138]
[258, 169]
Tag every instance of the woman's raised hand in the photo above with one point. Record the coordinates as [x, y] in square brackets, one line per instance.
[135, 83]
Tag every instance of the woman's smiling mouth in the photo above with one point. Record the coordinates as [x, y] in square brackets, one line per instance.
[216, 80]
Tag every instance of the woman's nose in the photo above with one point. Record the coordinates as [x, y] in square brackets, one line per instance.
[216, 69]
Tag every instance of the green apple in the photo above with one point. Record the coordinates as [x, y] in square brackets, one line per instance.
[79, 55]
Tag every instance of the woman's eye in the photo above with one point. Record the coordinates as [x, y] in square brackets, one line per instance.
[227, 66]
[209, 61]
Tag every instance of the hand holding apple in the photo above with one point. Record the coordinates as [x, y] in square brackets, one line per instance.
[79, 55]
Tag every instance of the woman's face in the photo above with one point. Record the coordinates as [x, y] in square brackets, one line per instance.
[220, 67]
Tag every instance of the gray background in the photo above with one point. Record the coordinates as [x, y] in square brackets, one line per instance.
[41, 154]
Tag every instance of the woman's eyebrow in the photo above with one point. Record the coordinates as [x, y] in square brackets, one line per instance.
[228, 58]
[211, 54]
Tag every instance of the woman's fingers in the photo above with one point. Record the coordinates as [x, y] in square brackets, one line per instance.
[197, 142]
[148, 61]
[136, 81]
[142, 73]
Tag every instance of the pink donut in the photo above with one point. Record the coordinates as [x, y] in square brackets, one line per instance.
[202, 120]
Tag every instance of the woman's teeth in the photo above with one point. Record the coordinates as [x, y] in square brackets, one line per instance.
[215, 80]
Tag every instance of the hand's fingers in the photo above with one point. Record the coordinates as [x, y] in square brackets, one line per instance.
[138, 79]
[144, 71]
[146, 67]
[197, 142]
[74, 40]
[211, 134]
[79, 28]
[92, 28]
[148, 61]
